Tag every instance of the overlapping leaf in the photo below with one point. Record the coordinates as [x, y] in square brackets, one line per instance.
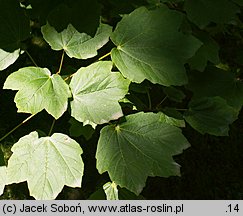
[150, 46]
[202, 12]
[46, 163]
[96, 92]
[8, 58]
[207, 52]
[14, 28]
[38, 90]
[140, 147]
[111, 191]
[75, 44]
[217, 82]
[3, 178]
[210, 115]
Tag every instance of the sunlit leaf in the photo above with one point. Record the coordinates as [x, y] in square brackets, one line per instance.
[75, 44]
[38, 90]
[111, 191]
[46, 163]
[96, 92]
[3, 178]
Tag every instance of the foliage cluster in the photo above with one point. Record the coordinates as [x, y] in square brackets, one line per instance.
[130, 74]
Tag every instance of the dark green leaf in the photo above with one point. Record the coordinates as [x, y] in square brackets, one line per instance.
[140, 147]
[210, 115]
[207, 52]
[150, 46]
[217, 82]
[174, 93]
[202, 12]
[77, 129]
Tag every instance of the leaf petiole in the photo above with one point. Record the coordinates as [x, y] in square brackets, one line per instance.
[104, 56]
[60, 67]
[15, 128]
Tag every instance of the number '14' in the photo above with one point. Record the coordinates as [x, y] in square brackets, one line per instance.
[233, 208]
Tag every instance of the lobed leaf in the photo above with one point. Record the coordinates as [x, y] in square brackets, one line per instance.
[96, 92]
[142, 146]
[210, 115]
[38, 90]
[150, 46]
[202, 12]
[75, 44]
[46, 163]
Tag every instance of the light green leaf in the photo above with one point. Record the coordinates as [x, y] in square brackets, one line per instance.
[140, 147]
[202, 12]
[150, 46]
[111, 191]
[96, 92]
[46, 163]
[75, 44]
[3, 178]
[210, 115]
[38, 90]
[217, 82]
[8, 58]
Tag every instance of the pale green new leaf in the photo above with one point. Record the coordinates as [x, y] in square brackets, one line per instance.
[46, 163]
[75, 44]
[8, 58]
[96, 92]
[142, 146]
[38, 90]
[150, 46]
[111, 191]
[210, 115]
[3, 178]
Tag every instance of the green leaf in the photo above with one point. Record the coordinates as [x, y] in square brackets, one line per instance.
[111, 191]
[77, 129]
[140, 147]
[14, 26]
[171, 120]
[210, 115]
[3, 178]
[207, 52]
[8, 58]
[202, 12]
[150, 46]
[75, 44]
[46, 163]
[38, 90]
[96, 92]
[174, 94]
[84, 15]
[217, 82]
